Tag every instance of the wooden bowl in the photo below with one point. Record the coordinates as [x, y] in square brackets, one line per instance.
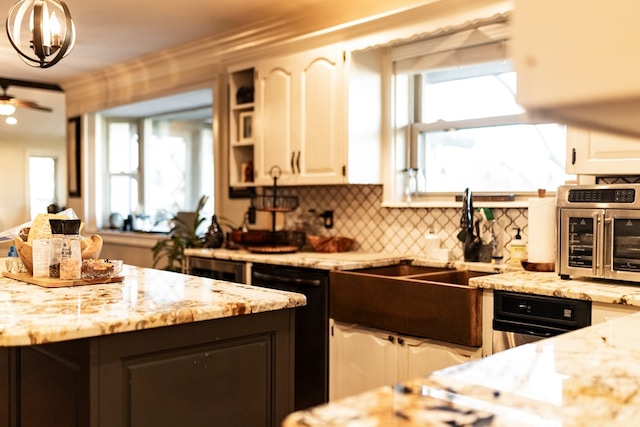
[539, 266]
[25, 252]
[330, 243]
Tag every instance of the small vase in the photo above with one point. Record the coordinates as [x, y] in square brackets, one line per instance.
[214, 237]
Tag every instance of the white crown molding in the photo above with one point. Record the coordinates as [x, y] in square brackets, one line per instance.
[195, 65]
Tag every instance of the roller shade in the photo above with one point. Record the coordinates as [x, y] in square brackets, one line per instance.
[448, 48]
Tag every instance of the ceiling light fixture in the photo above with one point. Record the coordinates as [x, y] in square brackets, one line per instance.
[48, 26]
[11, 120]
[6, 109]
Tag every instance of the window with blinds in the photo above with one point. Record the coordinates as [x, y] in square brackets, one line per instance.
[457, 123]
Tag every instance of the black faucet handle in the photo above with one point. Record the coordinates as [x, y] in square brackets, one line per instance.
[466, 219]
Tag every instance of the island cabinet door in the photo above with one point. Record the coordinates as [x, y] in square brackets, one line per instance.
[234, 371]
[45, 385]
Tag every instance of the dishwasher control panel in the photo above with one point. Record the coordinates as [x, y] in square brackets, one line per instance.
[557, 312]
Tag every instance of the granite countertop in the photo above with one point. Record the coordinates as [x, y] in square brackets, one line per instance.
[147, 298]
[551, 284]
[318, 260]
[588, 377]
[510, 277]
[341, 260]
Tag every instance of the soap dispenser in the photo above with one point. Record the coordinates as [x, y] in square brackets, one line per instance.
[518, 249]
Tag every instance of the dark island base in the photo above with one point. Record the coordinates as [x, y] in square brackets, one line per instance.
[235, 371]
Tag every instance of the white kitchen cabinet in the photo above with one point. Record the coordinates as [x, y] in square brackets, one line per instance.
[601, 312]
[364, 358]
[576, 62]
[360, 359]
[300, 116]
[597, 153]
[318, 117]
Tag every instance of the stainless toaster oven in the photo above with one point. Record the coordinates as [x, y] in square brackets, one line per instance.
[599, 231]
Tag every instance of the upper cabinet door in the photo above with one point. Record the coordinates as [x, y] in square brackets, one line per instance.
[598, 153]
[274, 121]
[322, 135]
[300, 118]
[576, 62]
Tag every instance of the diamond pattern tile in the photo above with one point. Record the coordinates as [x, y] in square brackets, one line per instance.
[357, 214]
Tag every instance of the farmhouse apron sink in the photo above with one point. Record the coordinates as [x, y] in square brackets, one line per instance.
[420, 301]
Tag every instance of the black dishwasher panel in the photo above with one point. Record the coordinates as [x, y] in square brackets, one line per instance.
[311, 370]
[230, 271]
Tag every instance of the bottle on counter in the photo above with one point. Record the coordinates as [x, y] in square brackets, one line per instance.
[431, 244]
[518, 249]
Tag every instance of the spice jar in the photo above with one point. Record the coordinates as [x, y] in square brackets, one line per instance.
[55, 247]
[65, 259]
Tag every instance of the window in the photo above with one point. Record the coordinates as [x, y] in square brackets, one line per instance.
[158, 166]
[458, 124]
[42, 183]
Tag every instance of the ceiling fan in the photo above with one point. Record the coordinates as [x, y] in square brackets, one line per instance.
[8, 103]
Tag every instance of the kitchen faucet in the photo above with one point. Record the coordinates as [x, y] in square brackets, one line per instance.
[472, 242]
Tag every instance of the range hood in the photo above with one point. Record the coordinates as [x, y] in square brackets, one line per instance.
[620, 117]
[578, 63]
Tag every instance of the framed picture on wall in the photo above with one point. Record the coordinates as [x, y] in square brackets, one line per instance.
[74, 157]
[245, 131]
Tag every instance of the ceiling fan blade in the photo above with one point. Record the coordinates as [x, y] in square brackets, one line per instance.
[29, 104]
[5, 83]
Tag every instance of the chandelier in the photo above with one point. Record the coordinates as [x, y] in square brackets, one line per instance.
[48, 27]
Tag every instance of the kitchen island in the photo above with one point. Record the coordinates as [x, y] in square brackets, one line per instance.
[159, 348]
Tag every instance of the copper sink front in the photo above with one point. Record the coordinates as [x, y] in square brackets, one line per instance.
[422, 305]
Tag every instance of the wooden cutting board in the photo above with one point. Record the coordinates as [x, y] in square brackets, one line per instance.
[48, 282]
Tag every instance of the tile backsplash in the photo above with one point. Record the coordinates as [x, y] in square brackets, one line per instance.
[358, 214]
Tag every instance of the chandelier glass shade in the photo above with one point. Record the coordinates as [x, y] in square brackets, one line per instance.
[41, 31]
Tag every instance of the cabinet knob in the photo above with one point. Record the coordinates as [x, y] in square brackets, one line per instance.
[400, 341]
[391, 338]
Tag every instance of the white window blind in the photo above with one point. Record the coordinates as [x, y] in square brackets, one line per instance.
[472, 43]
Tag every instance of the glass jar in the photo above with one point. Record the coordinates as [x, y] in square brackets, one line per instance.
[65, 259]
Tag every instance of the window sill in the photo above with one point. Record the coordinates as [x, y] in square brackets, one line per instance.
[519, 202]
[131, 238]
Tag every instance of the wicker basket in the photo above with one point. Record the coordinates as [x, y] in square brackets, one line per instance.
[330, 243]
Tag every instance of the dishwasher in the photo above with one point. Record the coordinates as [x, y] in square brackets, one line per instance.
[524, 318]
[231, 271]
[311, 352]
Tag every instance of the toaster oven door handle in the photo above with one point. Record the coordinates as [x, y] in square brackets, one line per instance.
[604, 233]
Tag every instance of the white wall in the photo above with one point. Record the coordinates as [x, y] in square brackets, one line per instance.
[14, 176]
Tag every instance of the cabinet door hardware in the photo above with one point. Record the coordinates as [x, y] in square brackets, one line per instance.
[573, 156]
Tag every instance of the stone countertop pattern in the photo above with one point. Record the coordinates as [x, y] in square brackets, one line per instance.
[512, 278]
[551, 284]
[588, 377]
[147, 298]
[317, 260]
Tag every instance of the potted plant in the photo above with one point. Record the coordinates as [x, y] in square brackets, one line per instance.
[182, 235]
